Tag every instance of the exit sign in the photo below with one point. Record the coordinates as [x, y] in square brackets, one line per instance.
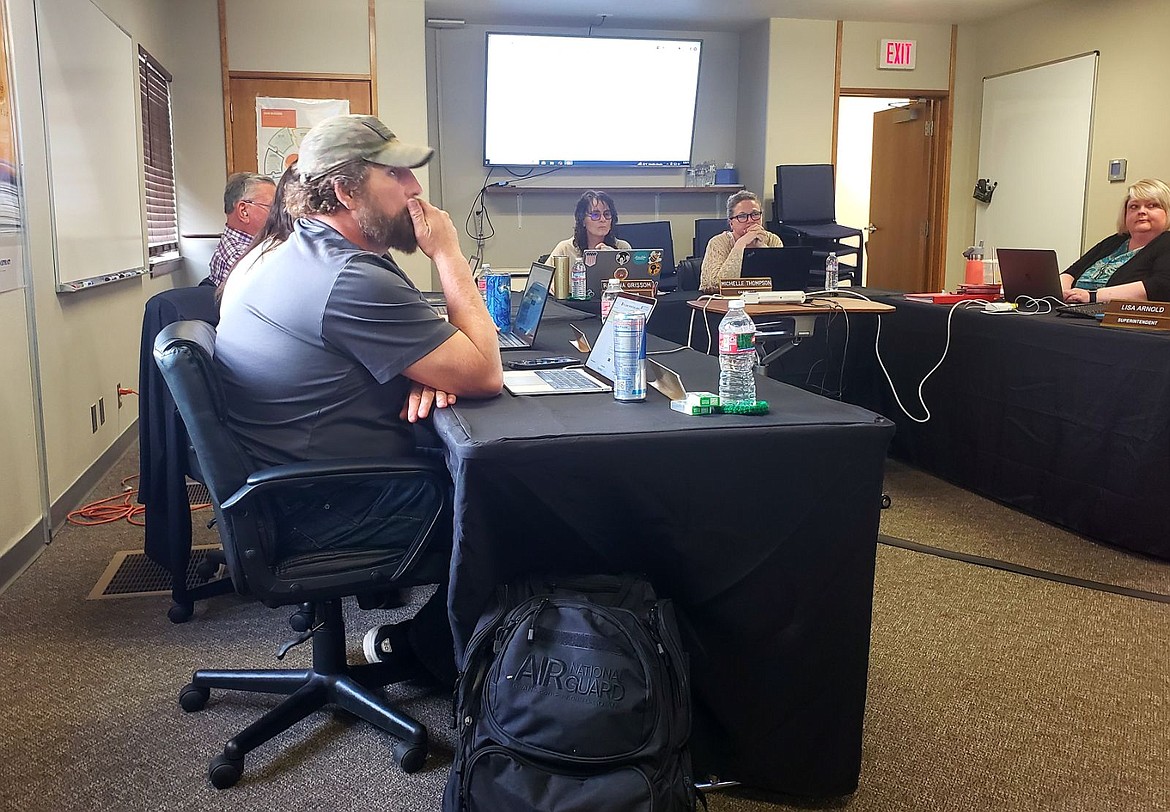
[897, 54]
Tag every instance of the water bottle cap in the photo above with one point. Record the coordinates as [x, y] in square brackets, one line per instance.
[736, 302]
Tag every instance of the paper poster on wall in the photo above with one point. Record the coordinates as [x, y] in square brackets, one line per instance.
[11, 235]
[282, 123]
[11, 260]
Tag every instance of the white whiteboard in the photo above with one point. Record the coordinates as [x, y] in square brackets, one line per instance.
[1034, 142]
[89, 72]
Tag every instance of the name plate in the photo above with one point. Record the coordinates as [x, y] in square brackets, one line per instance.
[730, 288]
[642, 287]
[1129, 315]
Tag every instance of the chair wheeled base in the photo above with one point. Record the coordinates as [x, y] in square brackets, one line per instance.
[331, 681]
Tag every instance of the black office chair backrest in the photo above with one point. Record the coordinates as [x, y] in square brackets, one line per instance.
[654, 234]
[705, 229]
[805, 193]
[184, 352]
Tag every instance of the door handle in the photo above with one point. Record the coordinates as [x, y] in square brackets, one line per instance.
[869, 229]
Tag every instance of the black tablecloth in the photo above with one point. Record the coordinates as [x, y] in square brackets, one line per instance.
[1061, 418]
[837, 360]
[763, 529]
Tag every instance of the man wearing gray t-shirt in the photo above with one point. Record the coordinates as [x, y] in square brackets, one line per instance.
[327, 350]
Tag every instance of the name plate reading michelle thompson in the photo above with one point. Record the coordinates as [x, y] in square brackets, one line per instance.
[1132, 315]
[730, 288]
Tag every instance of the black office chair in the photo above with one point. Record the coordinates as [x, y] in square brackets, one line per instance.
[241, 497]
[804, 212]
[705, 229]
[654, 234]
[690, 270]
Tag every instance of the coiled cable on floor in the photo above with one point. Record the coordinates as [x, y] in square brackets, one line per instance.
[115, 508]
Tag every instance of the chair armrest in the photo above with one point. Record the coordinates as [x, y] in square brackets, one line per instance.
[340, 470]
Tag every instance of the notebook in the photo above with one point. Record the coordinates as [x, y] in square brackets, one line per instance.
[527, 319]
[788, 268]
[636, 263]
[1031, 272]
[596, 375]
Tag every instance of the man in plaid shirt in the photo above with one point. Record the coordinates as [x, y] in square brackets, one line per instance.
[246, 201]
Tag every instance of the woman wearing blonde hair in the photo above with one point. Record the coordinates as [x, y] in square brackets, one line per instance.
[1134, 263]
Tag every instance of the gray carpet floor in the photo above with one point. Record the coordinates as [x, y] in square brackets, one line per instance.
[987, 689]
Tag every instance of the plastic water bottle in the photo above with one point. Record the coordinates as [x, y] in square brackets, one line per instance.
[577, 281]
[612, 288]
[737, 356]
[484, 270]
[832, 271]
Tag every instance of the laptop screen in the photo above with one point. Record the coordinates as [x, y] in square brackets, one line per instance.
[532, 302]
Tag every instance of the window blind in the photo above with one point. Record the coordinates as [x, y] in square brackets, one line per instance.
[158, 155]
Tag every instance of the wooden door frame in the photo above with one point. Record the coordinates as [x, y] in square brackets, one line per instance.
[940, 159]
[226, 75]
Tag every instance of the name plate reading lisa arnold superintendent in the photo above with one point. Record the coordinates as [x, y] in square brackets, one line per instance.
[730, 288]
[1137, 315]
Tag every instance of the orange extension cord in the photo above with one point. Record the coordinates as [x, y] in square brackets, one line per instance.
[113, 508]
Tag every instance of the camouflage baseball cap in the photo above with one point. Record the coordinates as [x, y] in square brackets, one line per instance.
[340, 139]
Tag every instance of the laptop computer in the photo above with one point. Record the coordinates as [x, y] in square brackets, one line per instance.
[527, 319]
[597, 374]
[1030, 272]
[788, 268]
[636, 263]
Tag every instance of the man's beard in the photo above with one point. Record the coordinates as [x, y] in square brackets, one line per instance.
[393, 231]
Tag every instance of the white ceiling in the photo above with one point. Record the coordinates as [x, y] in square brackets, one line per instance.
[711, 15]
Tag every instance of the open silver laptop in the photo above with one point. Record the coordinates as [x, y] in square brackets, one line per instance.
[527, 319]
[597, 373]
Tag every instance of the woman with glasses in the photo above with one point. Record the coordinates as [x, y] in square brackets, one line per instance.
[593, 224]
[724, 256]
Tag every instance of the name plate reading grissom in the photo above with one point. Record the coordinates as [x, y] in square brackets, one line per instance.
[1137, 315]
[643, 287]
[730, 288]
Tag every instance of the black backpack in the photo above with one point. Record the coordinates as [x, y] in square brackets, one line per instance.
[574, 697]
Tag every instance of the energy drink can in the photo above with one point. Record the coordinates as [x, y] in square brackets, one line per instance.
[498, 287]
[629, 357]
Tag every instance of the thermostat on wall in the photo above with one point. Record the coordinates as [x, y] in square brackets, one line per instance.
[1117, 169]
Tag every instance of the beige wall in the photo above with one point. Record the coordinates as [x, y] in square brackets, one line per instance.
[299, 36]
[801, 73]
[859, 56]
[751, 132]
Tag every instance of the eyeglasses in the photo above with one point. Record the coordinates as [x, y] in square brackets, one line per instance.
[258, 203]
[599, 215]
[744, 216]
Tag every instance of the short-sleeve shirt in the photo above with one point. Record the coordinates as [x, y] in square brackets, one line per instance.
[311, 347]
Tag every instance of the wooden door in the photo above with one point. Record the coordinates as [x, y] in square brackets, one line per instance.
[245, 89]
[899, 203]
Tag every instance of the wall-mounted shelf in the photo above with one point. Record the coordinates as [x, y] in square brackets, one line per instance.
[520, 191]
[518, 188]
